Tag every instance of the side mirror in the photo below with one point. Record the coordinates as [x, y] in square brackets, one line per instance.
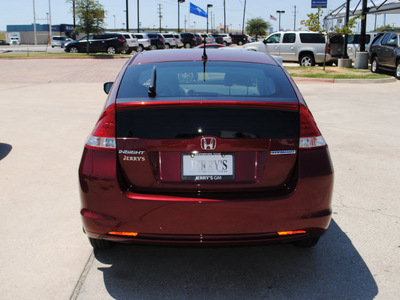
[107, 87]
[264, 41]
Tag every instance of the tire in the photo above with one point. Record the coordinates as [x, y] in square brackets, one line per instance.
[225, 44]
[111, 50]
[167, 46]
[100, 244]
[397, 72]
[140, 48]
[307, 60]
[153, 47]
[240, 43]
[129, 51]
[187, 46]
[307, 243]
[375, 65]
[73, 50]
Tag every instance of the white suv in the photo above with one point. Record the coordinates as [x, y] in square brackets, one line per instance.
[132, 42]
[170, 41]
[227, 38]
[143, 40]
[305, 47]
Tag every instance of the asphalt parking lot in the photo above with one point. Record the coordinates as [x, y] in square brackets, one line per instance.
[48, 108]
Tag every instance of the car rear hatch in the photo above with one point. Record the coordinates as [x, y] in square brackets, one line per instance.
[233, 128]
[216, 147]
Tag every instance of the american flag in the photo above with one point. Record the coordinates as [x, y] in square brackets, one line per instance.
[272, 17]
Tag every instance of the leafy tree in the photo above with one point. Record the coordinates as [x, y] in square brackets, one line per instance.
[257, 26]
[313, 22]
[387, 27]
[350, 26]
[90, 15]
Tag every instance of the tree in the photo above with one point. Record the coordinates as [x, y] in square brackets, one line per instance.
[90, 15]
[350, 26]
[257, 27]
[313, 23]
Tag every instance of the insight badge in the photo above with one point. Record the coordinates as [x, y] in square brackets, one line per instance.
[133, 155]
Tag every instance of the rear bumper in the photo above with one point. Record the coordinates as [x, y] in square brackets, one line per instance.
[163, 219]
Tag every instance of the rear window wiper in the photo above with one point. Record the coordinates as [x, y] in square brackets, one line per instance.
[152, 87]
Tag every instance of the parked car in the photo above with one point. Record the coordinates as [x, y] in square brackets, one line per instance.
[110, 43]
[189, 40]
[305, 47]
[353, 43]
[215, 46]
[196, 151]
[179, 40]
[3, 42]
[385, 53]
[227, 39]
[209, 38]
[143, 41]
[157, 41]
[239, 39]
[59, 41]
[218, 38]
[199, 40]
[132, 41]
[170, 40]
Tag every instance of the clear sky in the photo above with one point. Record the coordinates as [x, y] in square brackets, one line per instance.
[14, 12]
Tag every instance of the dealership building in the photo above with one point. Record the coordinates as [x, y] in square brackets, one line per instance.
[27, 32]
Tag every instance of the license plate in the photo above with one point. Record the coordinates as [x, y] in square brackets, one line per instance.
[208, 166]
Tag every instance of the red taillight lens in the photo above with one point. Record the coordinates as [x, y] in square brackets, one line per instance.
[162, 40]
[328, 48]
[148, 41]
[194, 39]
[103, 135]
[121, 40]
[310, 136]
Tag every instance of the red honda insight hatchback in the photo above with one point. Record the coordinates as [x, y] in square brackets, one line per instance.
[197, 148]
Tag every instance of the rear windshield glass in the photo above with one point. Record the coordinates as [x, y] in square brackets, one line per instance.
[212, 79]
[355, 39]
[312, 38]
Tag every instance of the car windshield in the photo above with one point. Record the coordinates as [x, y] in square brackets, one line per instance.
[212, 80]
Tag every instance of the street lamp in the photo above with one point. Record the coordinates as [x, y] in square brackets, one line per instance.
[280, 12]
[194, 22]
[208, 6]
[179, 2]
[127, 16]
[115, 24]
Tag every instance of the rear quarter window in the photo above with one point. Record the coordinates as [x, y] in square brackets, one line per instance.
[312, 38]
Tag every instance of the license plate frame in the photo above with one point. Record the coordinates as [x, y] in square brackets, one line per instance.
[192, 166]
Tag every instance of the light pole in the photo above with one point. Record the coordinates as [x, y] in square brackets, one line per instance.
[34, 23]
[280, 12]
[194, 22]
[138, 23]
[179, 2]
[115, 26]
[127, 17]
[208, 6]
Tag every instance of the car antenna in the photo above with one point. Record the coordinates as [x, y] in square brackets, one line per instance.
[152, 88]
[204, 58]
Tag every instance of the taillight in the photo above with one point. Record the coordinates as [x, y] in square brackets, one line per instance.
[103, 135]
[310, 136]
[148, 41]
[121, 40]
[328, 48]
[194, 39]
[162, 40]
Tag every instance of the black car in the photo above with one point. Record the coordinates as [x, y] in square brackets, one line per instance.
[218, 38]
[3, 42]
[110, 43]
[238, 39]
[156, 40]
[385, 53]
[189, 40]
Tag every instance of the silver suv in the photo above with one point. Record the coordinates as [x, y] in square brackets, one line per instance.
[143, 41]
[305, 47]
[170, 41]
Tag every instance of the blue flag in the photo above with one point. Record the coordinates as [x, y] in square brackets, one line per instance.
[197, 10]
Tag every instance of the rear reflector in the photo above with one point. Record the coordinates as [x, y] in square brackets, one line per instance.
[89, 214]
[310, 136]
[103, 135]
[123, 233]
[291, 232]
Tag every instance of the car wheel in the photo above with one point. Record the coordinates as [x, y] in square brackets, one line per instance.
[240, 43]
[397, 74]
[375, 65]
[225, 44]
[100, 244]
[140, 48]
[187, 46]
[167, 46]
[307, 60]
[73, 50]
[129, 51]
[307, 243]
[111, 50]
[153, 47]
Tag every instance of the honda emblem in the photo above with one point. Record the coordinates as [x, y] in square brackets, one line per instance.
[208, 143]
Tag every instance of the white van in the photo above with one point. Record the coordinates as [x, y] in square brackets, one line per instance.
[59, 41]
